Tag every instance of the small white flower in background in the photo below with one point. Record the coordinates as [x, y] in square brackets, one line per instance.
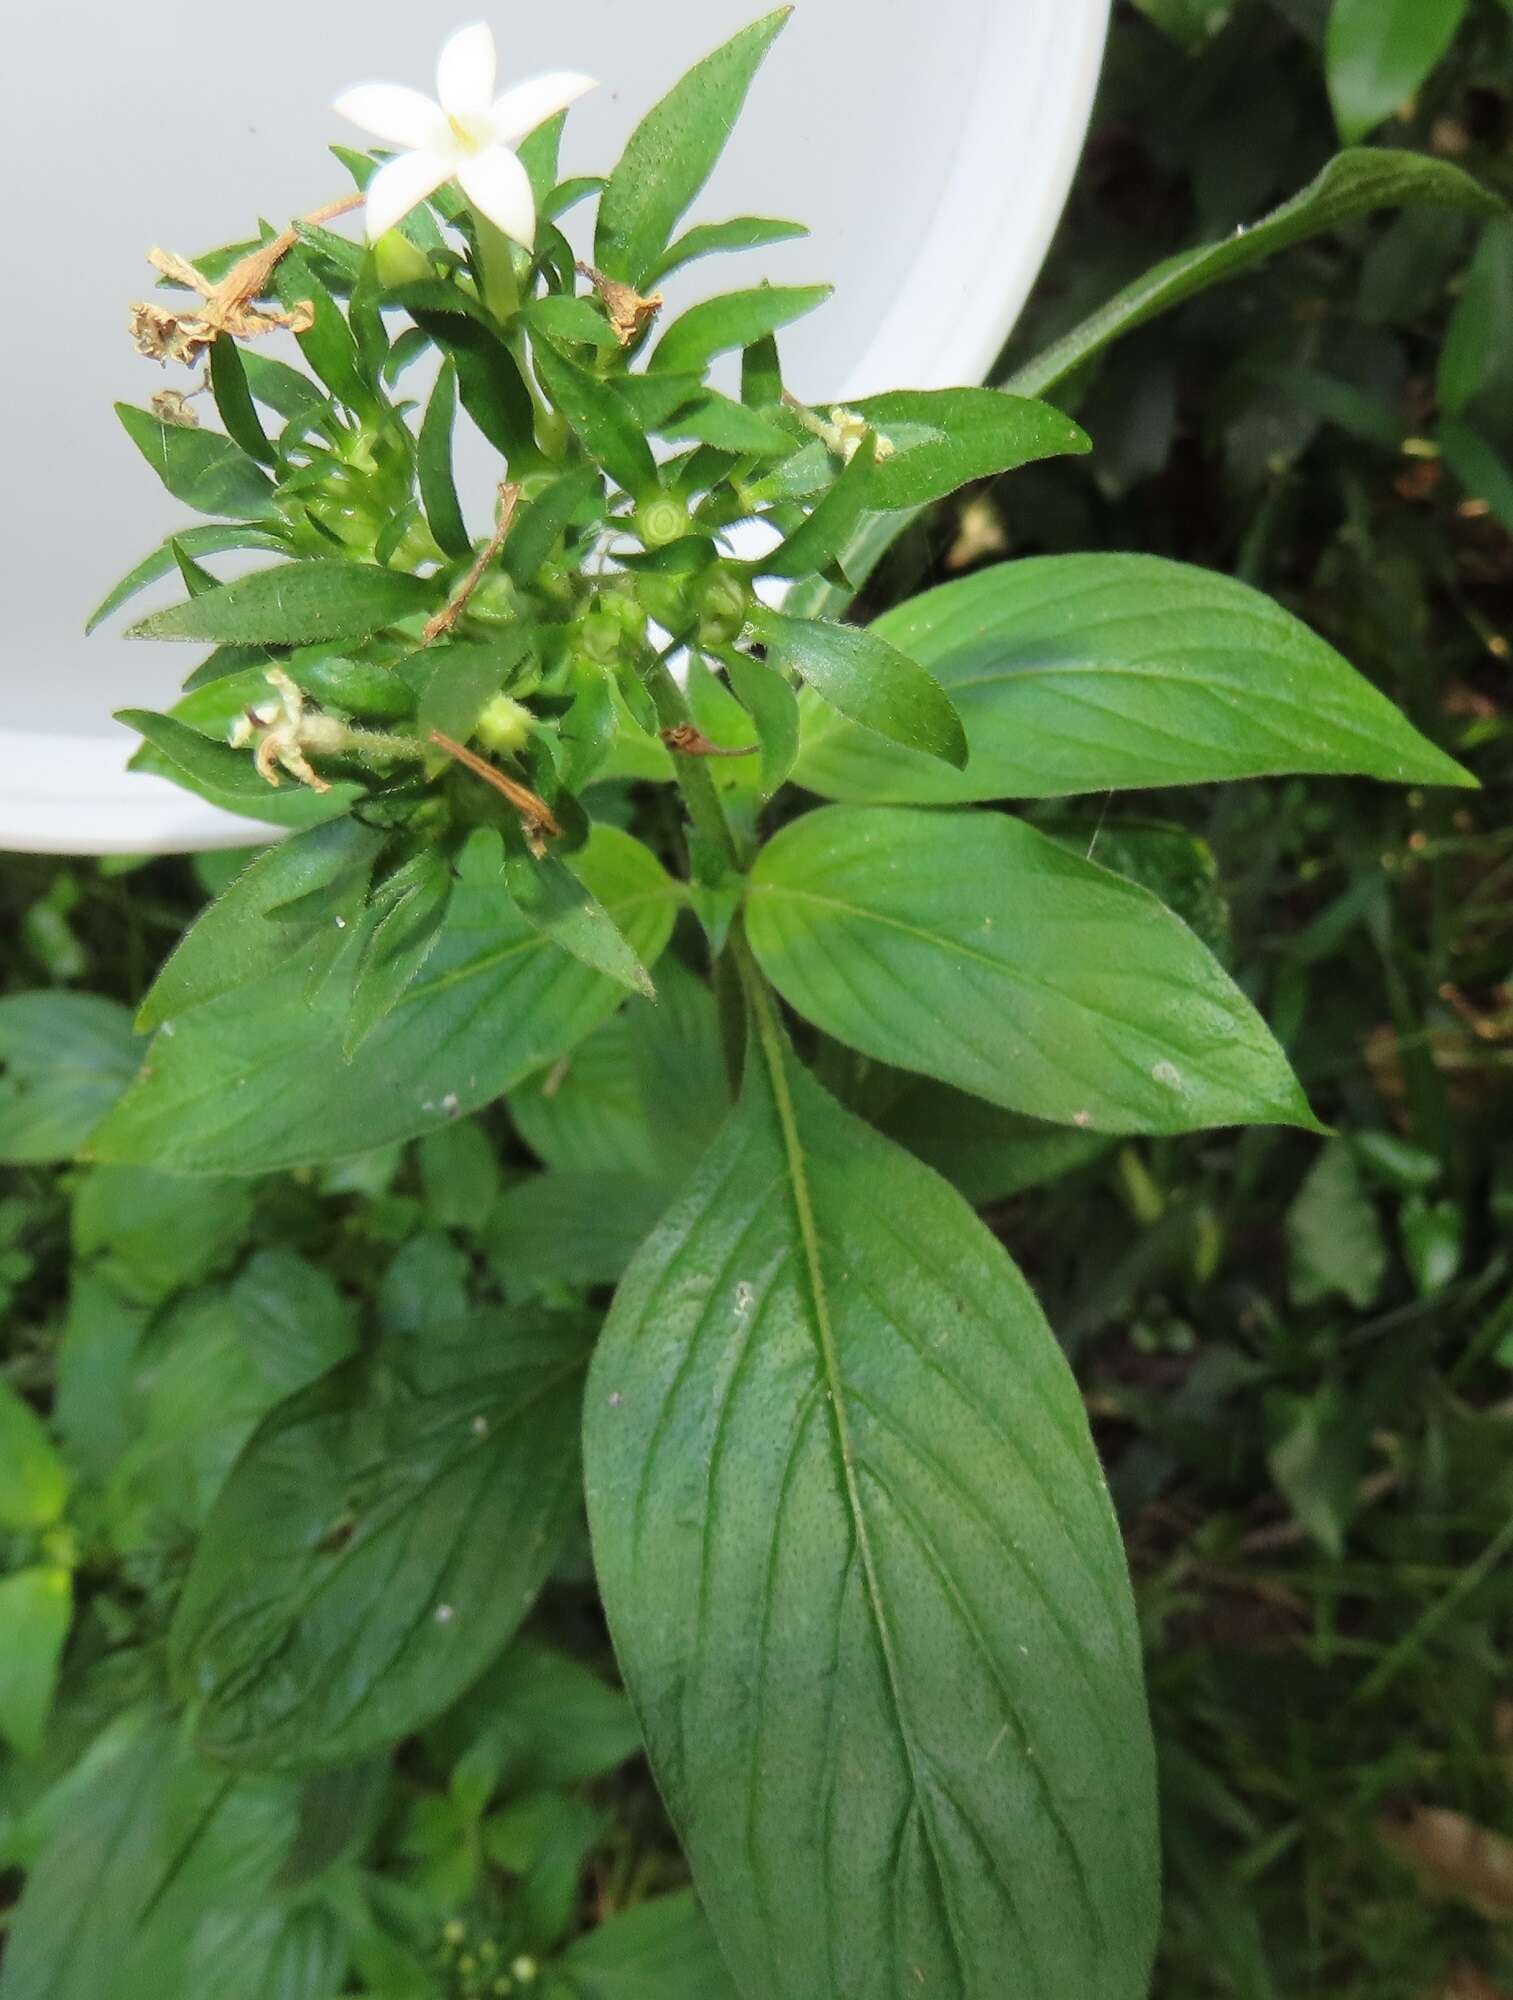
[469, 136]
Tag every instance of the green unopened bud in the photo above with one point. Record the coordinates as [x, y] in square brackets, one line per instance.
[661, 520]
[724, 601]
[396, 261]
[599, 637]
[495, 602]
[504, 726]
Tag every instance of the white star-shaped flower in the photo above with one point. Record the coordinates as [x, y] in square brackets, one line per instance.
[469, 135]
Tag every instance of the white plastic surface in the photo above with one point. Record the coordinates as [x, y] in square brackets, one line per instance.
[929, 145]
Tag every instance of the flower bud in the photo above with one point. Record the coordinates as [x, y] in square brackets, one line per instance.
[504, 726]
[661, 520]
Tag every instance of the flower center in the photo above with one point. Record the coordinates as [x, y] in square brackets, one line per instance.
[471, 134]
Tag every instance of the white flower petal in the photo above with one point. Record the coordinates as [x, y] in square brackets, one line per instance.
[396, 188]
[528, 105]
[499, 187]
[465, 73]
[397, 114]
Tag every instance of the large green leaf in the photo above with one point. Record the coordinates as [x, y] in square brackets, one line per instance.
[203, 469]
[1353, 184]
[1378, 52]
[1085, 673]
[864, 1581]
[255, 1079]
[673, 151]
[971, 948]
[376, 1545]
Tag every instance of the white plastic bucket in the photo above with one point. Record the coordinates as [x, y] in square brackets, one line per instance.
[928, 144]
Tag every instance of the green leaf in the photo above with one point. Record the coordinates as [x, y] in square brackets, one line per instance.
[160, 1879]
[150, 1234]
[375, 1547]
[1378, 52]
[971, 948]
[943, 438]
[493, 390]
[36, 1609]
[1316, 1447]
[571, 1229]
[642, 1097]
[985, 1152]
[1479, 467]
[554, 902]
[292, 1318]
[460, 1175]
[571, 319]
[742, 232]
[294, 604]
[203, 469]
[1474, 355]
[1084, 673]
[736, 319]
[209, 540]
[769, 699]
[672, 153]
[405, 917]
[238, 939]
[1335, 1246]
[601, 421]
[34, 1480]
[1353, 184]
[863, 1579]
[227, 777]
[282, 388]
[433, 466]
[540, 523]
[458, 680]
[865, 678]
[233, 399]
[727, 425]
[328, 346]
[662, 1949]
[64, 1060]
[547, 1720]
[820, 537]
[255, 1079]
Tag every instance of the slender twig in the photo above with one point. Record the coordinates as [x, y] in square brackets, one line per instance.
[437, 627]
[532, 808]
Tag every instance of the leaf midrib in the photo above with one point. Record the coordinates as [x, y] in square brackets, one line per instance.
[769, 1034]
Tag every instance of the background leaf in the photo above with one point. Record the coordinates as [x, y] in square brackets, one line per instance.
[1354, 183]
[373, 1550]
[64, 1060]
[1378, 52]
